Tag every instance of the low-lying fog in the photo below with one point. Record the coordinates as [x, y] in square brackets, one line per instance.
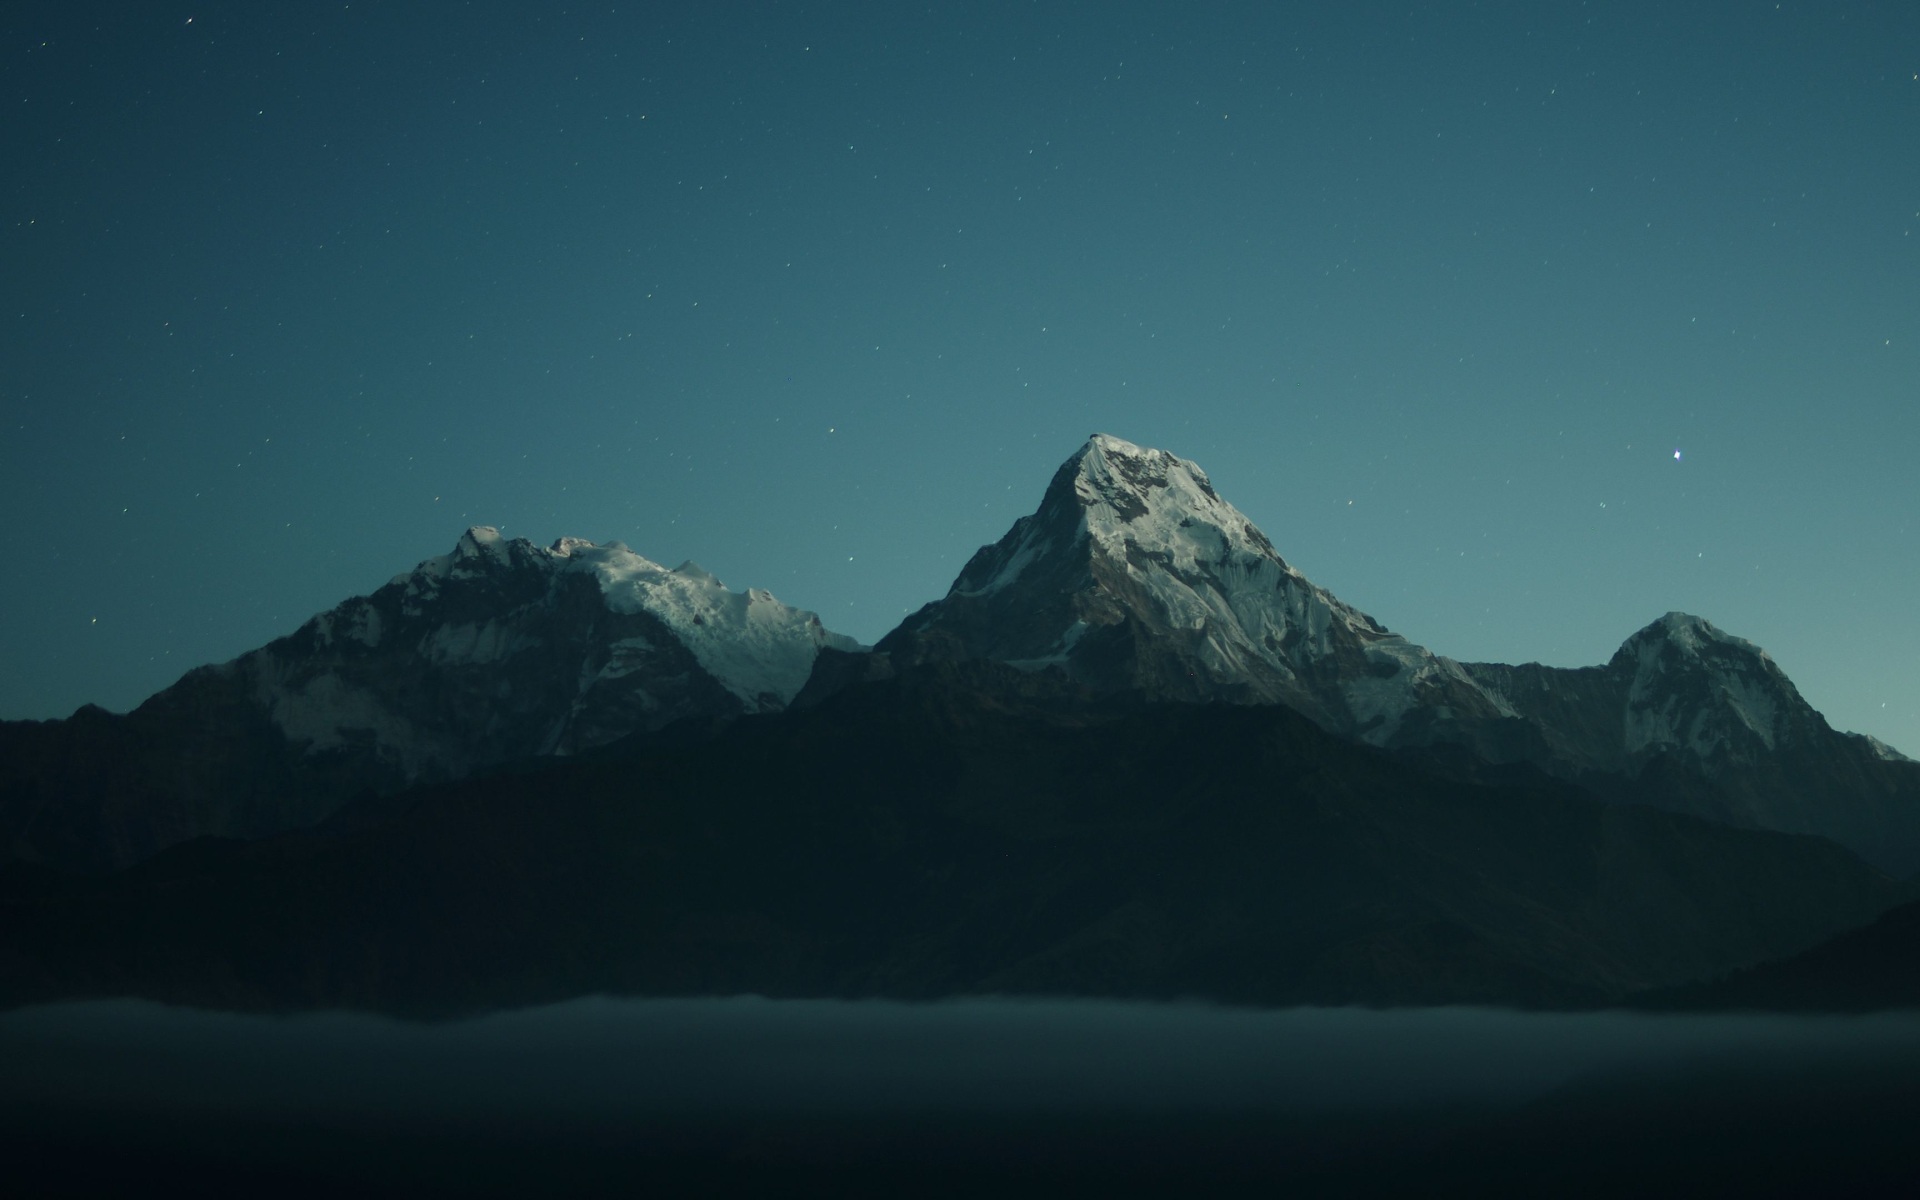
[599, 1055]
[929, 1073]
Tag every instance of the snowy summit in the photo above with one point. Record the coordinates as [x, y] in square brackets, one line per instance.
[1134, 572]
[504, 649]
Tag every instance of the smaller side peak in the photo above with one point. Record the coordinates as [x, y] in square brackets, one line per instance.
[481, 541]
[1680, 620]
[1883, 751]
[567, 547]
[1689, 635]
[1684, 628]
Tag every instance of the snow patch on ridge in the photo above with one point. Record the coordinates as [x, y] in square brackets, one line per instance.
[325, 712]
[1881, 750]
[468, 642]
[1753, 703]
[1032, 546]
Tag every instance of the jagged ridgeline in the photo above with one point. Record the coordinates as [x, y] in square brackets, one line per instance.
[1133, 576]
[695, 729]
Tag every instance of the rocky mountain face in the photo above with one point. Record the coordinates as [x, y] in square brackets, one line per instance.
[1134, 575]
[1679, 686]
[499, 652]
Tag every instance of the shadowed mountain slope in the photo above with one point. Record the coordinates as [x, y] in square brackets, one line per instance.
[1862, 970]
[963, 828]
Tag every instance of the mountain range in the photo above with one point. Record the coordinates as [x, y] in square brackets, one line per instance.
[1132, 751]
[1135, 575]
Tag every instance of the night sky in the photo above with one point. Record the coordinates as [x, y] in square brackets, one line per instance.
[1514, 325]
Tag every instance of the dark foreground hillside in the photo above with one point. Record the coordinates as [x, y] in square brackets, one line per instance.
[958, 830]
[1873, 969]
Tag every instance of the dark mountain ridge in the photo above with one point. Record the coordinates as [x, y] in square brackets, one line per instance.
[962, 828]
[1871, 969]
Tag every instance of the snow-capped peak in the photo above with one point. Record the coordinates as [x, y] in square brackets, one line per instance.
[1160, 503]
[1693, 639]
[1135, 571]
[1120, 477]
[1132, 502]
[1697, 686]
[1692, 635]
[482, 542]
[758, 648]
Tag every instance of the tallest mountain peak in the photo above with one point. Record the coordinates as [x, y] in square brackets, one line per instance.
[1118, 483]
[1135, 575]
[1105, 454]
[1103, 451]
[1106, 442]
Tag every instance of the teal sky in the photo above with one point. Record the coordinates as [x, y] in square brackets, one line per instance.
[819, 295]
